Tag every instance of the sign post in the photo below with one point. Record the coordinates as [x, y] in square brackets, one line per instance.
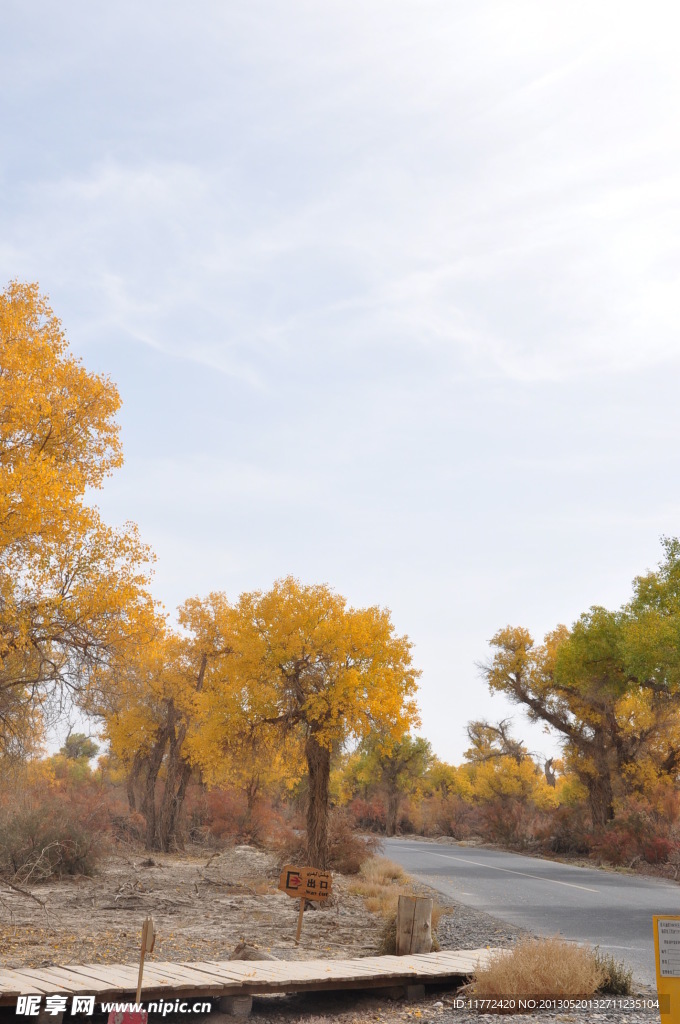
[137, 1016]
[305, 884]
[299, 926]
[148, 942]
[667, 955]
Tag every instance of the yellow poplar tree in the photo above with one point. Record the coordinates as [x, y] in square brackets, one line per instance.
[319, 672]
[610, 686]
[71, 588]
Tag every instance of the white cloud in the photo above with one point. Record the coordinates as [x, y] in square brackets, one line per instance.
[390, 290]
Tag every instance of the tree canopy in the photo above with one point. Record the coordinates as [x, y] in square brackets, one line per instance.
[319, 673]
[71, 588]
[609, 686]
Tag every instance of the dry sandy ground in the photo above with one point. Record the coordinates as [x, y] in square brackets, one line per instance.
[202, 907]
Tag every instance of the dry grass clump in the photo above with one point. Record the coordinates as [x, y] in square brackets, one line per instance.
[618, 978]
[548, 968]
[382, 871]
[381, 882]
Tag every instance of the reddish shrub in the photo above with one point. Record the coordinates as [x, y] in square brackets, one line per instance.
[637, 833]
[512, 822]
[368, 814]
[658, 850]
[566, 830]
[347, 849]
[616, 845]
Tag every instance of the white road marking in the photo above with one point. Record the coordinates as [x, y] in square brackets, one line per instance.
[636, 949]
[510, 871]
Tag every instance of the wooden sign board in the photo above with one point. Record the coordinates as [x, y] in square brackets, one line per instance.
[667, 955]
[305, 883]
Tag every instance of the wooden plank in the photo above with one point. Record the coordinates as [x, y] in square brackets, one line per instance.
[54, 976]
[200, 977]
[90, 975]
[301, 970]
[7, 989]
[347, 969]
[109, 977]
[160, 981]
[414, 925]
[252, 970]
[219, 970]
[245, 964]
[26, 985]
[273, 969]
[388, 966]
[234, 975]
[183, 976]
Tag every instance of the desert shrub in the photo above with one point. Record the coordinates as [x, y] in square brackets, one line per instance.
[347, 849]
[47, 841]
[566, 830]
[289, 845]
[618, 979]
[219, 814]
[368, 814]
[219, 817]
[381, 882]
[657, 849]
[127, 827]
[437, 815]
[638, 832]
[615, 845]
[549, 968]
[55, 819]
[511, 822]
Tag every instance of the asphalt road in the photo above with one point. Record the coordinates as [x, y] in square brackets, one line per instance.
[604, 908]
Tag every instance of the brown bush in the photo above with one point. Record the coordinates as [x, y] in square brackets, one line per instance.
[540, 968]
[514, 822]
[127, 827]
[439, 815]
[639, 832]
[368, 814]
[566, 830]
[220, 817]
[347, 849]
[50, 839]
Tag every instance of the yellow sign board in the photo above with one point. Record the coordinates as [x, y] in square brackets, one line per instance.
[667, 955]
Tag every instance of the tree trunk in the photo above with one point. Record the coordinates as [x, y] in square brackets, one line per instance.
[133, 781]
[177, 775]
[148, 807]
[319, 769]
[600, 797]
[171, 806]
[550, 776]
[149, 812]
[392, 812]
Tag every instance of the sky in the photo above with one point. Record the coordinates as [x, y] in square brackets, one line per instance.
[390, 291]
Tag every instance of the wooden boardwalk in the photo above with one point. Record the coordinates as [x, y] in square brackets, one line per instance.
[212, 979]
